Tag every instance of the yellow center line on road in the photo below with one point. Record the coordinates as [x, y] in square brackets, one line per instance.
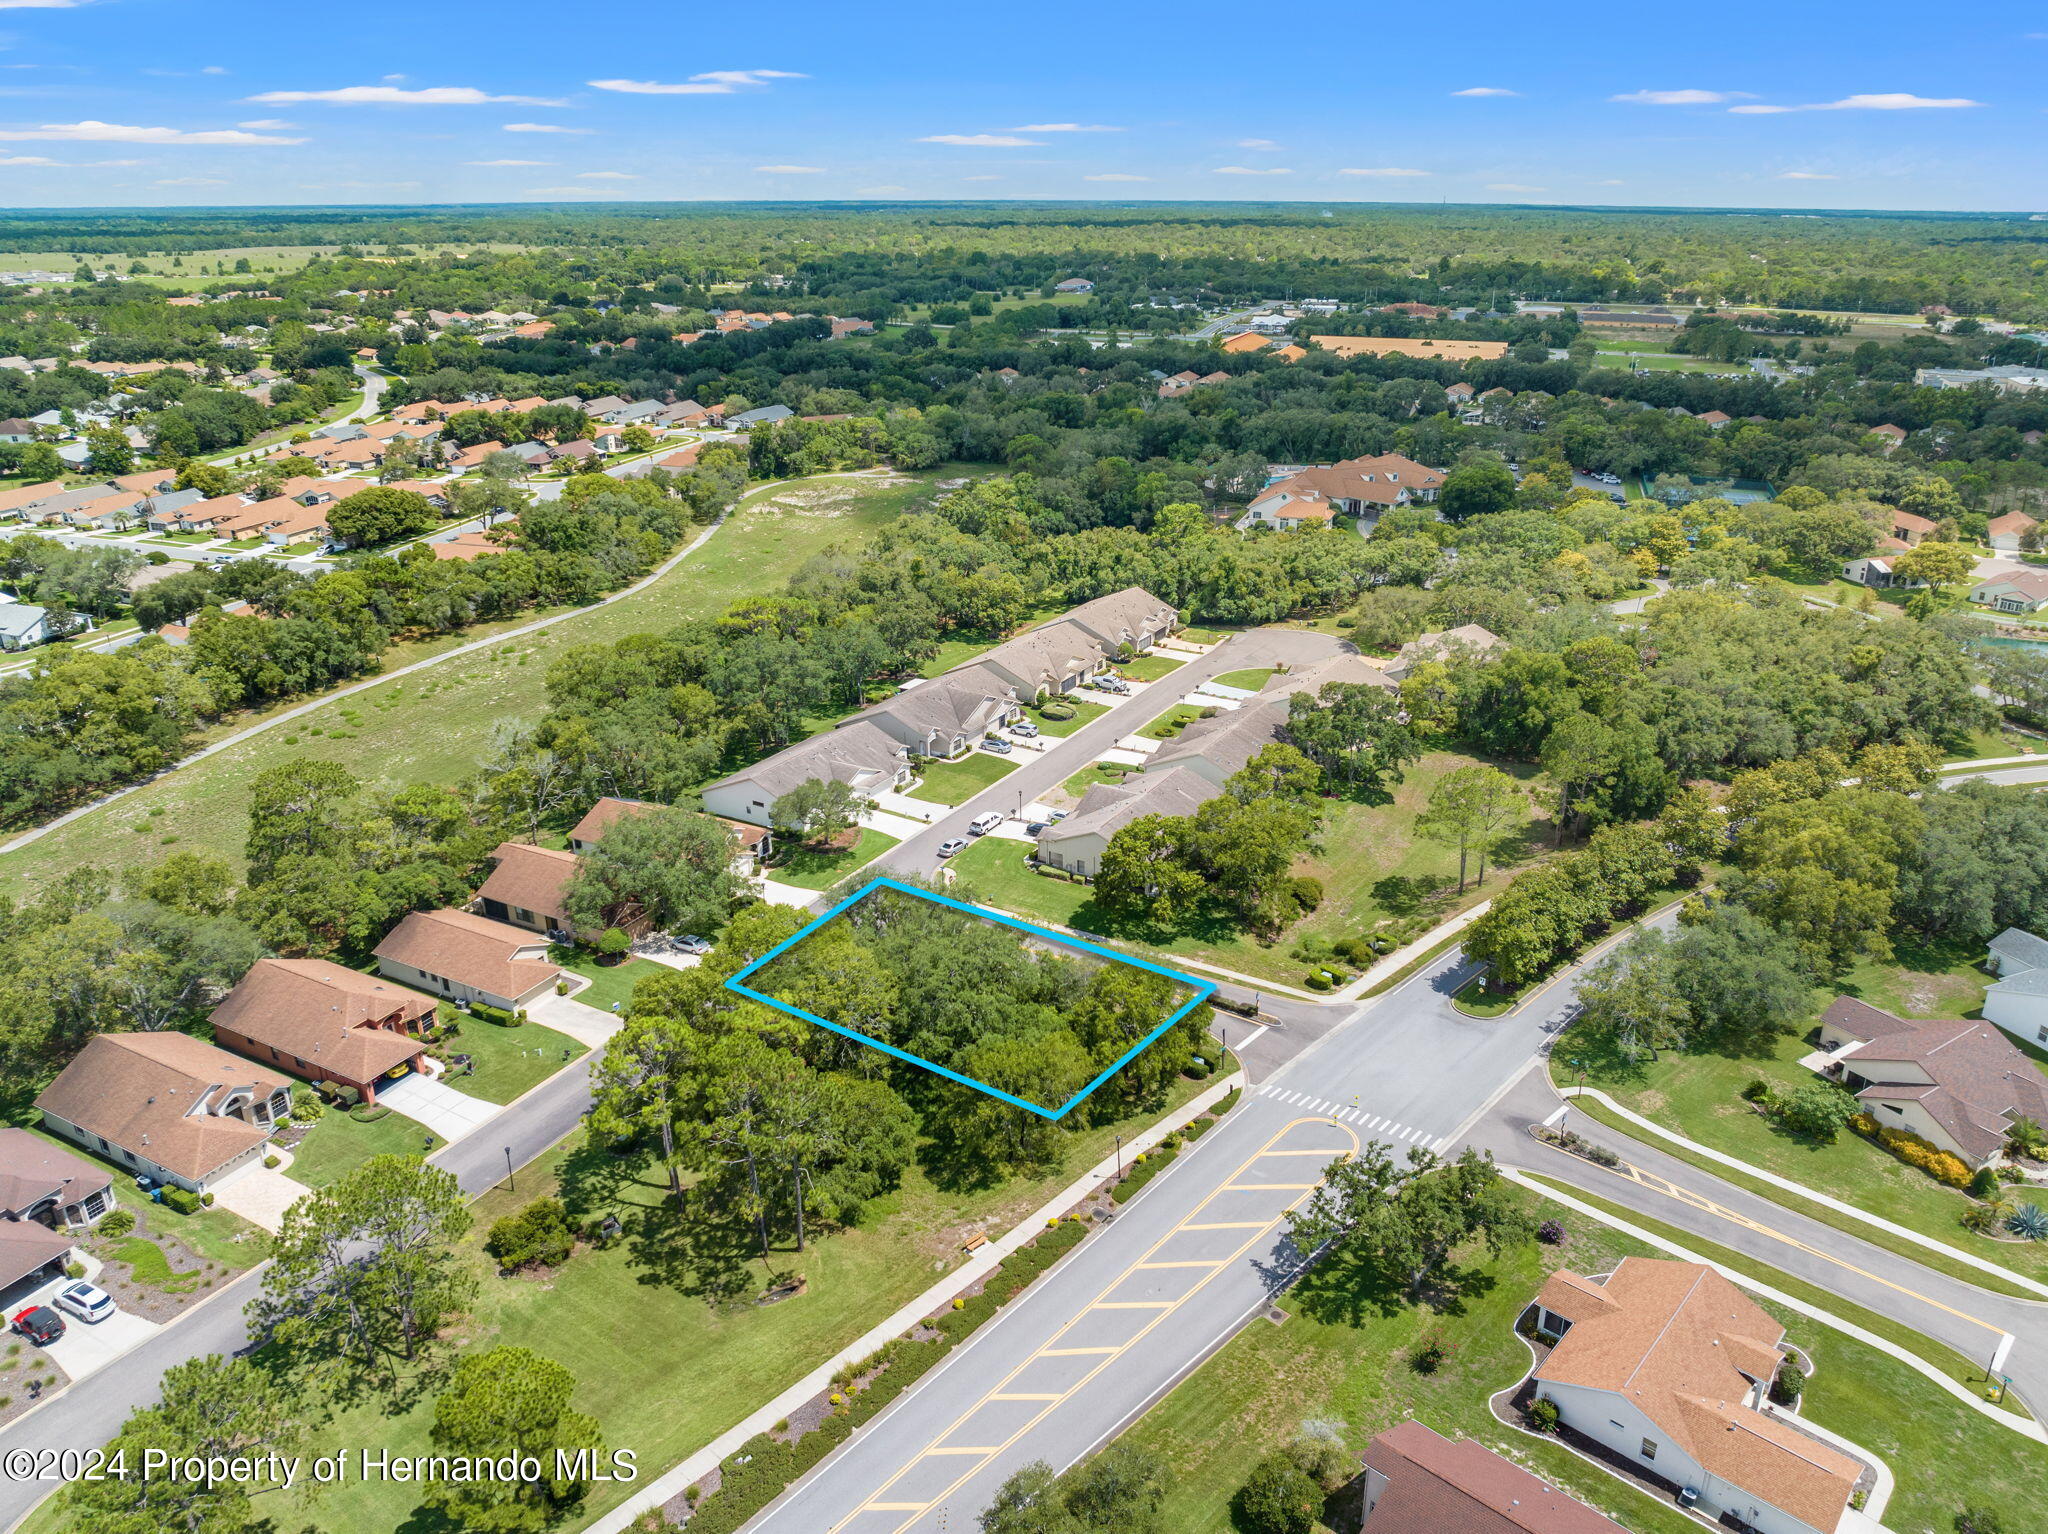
[1109, 1355]
[1671, 1189]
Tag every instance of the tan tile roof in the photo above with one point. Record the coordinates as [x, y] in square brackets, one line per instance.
[533, 878]
[1402, 346]
[325, 1015]
[469, 949]
[1682, 1344]
[27, 495]
[138, 1090]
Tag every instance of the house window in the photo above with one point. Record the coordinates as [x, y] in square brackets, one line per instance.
[1649, 1449]
[1893, 1108]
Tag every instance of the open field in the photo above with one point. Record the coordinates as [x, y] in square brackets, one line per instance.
[434, 726]
[192, 270]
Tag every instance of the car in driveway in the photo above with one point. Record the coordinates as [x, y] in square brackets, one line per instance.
[1037, 826]
[40, 1324]
[982, 824]
[997, 744]
[88, 1302]
[694, 944]
[1110, 684]
[1024, 729]
[951, 845]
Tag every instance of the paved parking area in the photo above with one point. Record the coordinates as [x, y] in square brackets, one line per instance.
[449, 1113]
[85, 1347]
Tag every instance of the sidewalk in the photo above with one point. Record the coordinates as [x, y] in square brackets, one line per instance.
[673, 1481]
[1393, 962]
[1983, 1265]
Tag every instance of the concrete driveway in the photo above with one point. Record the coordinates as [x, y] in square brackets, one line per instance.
[449, 1113]
[584, 1023]
[260, 1195]
[86, 1347]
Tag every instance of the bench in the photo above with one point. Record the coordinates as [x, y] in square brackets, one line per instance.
[978, 1239]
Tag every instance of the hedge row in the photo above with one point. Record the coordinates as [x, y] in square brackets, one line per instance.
[1914, 1151]
[762, 1468]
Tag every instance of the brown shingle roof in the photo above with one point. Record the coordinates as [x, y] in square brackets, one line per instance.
[31, 1169]
[139, 1090]
[1979, 1082]
[25, 1246]
[325, 1015]
[604, 814]
[469, 949]
[1438, 1485]
[533, 878]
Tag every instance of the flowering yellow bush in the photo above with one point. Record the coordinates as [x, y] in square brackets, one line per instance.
[1915, 1151]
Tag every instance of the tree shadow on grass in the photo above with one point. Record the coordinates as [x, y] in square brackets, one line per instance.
[1350, 1290]
[593, 1179]
[694, 1249]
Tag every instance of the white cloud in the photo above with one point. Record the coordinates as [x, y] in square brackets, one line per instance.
[508, 162]
[1383, 170]
[1256, 143]
[1116, 175]
[562, 191]
[1513, 186]
[189, 181]
[1614, 182]
[41, 5]
[92, 132]
[272, 123]
[791, 170]
[27, 159]
[1686, 98]
[879, 191]
[1806, 175]
[1249, 170]
[606, 175]
[715, 82]
[1066, 128]
[981, 178]
[1892, 101]
[212, 69]
[1485, 90]
[541, 128]
[397, 96]
[981, 140]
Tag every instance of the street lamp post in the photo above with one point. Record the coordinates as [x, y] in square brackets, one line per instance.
[1119, 1158]
[511, 1178]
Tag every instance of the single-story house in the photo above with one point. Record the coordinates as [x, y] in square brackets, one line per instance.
[1359, 487]
[601, 817]
[24, 625]
[862, 755]
[1354, 670]
[1714, 420]
[1668, 1366]
[171, 1107]
[1132, 619]
[1401, 346]
[473, 457]
[1466, 639]
[16, 430]
[2023, 591]
[1419, 1482]
[1055, 657]
[2008, 531]
[2018, 999]
[1078, 842]
[119, 508]
[765, 415]
[528, 886]
[323, 1022]
[27, 500]
[1074, 285]
[1890, 436]
[948, 714]
[467, 957]
[1876, 571]
[467, 545]
[1910, 528]
[1957, 1084]
[41, 1184]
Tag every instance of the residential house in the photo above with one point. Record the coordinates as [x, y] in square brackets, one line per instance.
[42, 1184]
[528, 886]
[1957, 1084]
[473, 457]
[1074, 285]
[1714, 420]
[601, 817]
[122, 508]
[1131, 620]
[640, 412]
[947, 715]
[1876, 571]
[24, 625]
[1668, 1366]
[1466, 639]
[2018, 999]
[1078, 842]
[1221, 744]
[1053, 658]
[467, 545]
[1406, 346]
[684, 412]
[765, 415]
[324, 1022]
[1911, 529]
[1243, 342]
[2009, 531]
[2023, 591]
[1460, 393]
[1357, 487]
[16, 430]
[1889, 436]
[173, 1108]
[1419, 1482]
[862, 755]
[467, 958]
[843, 328]
[26, 500]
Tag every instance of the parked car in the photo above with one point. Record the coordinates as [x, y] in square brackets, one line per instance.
[1025, 729]
[694, 944]
[951, 845]
[997, 744]
[1037, 826]
[1112, 684]
[1056, 816]
[88, 1302]
[40, 1324]
[981, 825]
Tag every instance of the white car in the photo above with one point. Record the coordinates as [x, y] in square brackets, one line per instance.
[694, 944]
[86, 1301]
[951, 845]
[981, 825]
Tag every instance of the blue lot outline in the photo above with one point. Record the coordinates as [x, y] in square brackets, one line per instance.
[1203, 990]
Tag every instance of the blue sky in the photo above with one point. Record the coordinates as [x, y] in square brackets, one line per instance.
[224, 102]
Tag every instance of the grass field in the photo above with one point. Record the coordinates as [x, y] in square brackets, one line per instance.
[811, 870]
[1252, 678]
[957, 782]
[1084, 713]
[337, 1144]
[1253, 1396]
[1149, 668]
[433, 727]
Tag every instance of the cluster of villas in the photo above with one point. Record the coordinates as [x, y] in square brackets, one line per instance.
[1194, 766]
[1357, 487]
[185, 1112]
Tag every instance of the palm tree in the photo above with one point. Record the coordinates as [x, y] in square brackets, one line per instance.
[2027, 1138]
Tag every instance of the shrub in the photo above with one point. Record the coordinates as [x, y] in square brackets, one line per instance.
[497, 1016]
[1056, 711]
[1985, 1184]
[74, 1269]
[2028, 1222]
[206, 1199]
[1790, 1382]
[1979, 1520]
[1550, 1233]
[272, 1163]
[306, 1106]
[1915, 1152]
[183, 1200]
[614, 943]
[1358, 950]
[1543, 1415]
[119, 1223]
[1814, 1110]
[1318, 981]
[1429, 1358]
[1197, 1069]
[1226, 1102]
[1279, 1497]
[1756, 1091]
[538, 1235]
[1306, 890]
[562, 989]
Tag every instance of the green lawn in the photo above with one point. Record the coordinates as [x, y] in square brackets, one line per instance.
[1252, 678]
[1203, 636]
[608, 982]
[247, 543]
[1099, 772]
[811, 870]
[661, 1364]
[1351, 1364]
[433, 727]
[338, 1144]
[957, 782]
[1149, 668]
[1084, 713]
[1173, 721]
[512, 1061]
[1697, 1095]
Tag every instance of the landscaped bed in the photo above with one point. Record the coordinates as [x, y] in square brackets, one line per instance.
[1173, 721]
[1084, 713]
